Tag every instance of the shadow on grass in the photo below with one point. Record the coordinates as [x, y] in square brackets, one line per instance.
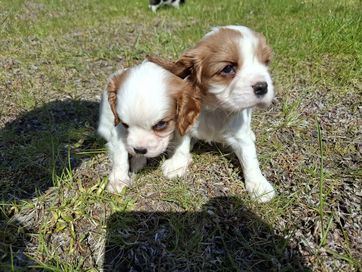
[223, 236]
[37, 144]
[34, 147]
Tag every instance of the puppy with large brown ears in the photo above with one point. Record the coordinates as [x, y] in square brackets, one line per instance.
[229, 66]
[142, 110]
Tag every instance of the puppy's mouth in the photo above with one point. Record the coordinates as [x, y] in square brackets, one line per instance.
[255, 102]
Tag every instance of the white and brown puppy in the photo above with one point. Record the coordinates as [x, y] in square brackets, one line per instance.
[141, 109]
[229, 66]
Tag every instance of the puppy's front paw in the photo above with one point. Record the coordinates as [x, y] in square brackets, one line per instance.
[117, 182]
[259, 188]
[176, 166]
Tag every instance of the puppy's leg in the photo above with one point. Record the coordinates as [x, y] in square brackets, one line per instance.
[137, 163]
[176, 4]
[252, 135]
[176, 166]
[153, 7]
[118, 177]
[255, 183]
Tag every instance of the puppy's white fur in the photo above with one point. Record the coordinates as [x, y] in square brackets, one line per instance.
[227, 105]
[142, 97]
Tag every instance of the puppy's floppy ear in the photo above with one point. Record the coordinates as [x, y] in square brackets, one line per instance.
[113, 86]
[188, 107]
[192, 61]
[177, 68]
[183, 67]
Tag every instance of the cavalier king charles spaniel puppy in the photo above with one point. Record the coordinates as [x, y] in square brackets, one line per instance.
[141, 110]
[229, 68]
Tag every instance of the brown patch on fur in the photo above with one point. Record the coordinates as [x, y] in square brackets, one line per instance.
[204, 63]
[178, 70]
[263, 51]
[112, 89]
[188, 103]
[214, 53]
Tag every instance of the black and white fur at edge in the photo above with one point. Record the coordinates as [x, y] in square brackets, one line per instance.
[155, 4]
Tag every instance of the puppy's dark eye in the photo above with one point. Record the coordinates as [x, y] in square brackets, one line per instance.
[125, 125]
[228, 70]
[160, 126]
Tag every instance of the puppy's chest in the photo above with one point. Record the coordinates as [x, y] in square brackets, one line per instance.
[215, 126]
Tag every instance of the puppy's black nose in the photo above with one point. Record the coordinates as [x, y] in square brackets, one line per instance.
[140, 150]
[260, 88]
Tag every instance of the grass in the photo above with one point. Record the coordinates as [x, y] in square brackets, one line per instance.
[55, 57]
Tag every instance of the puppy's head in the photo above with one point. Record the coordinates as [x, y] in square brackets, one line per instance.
[230, 67]
[149, 104]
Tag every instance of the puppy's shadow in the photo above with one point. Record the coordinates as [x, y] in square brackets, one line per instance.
[223, 236]
[41, 143]
[34, 148]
